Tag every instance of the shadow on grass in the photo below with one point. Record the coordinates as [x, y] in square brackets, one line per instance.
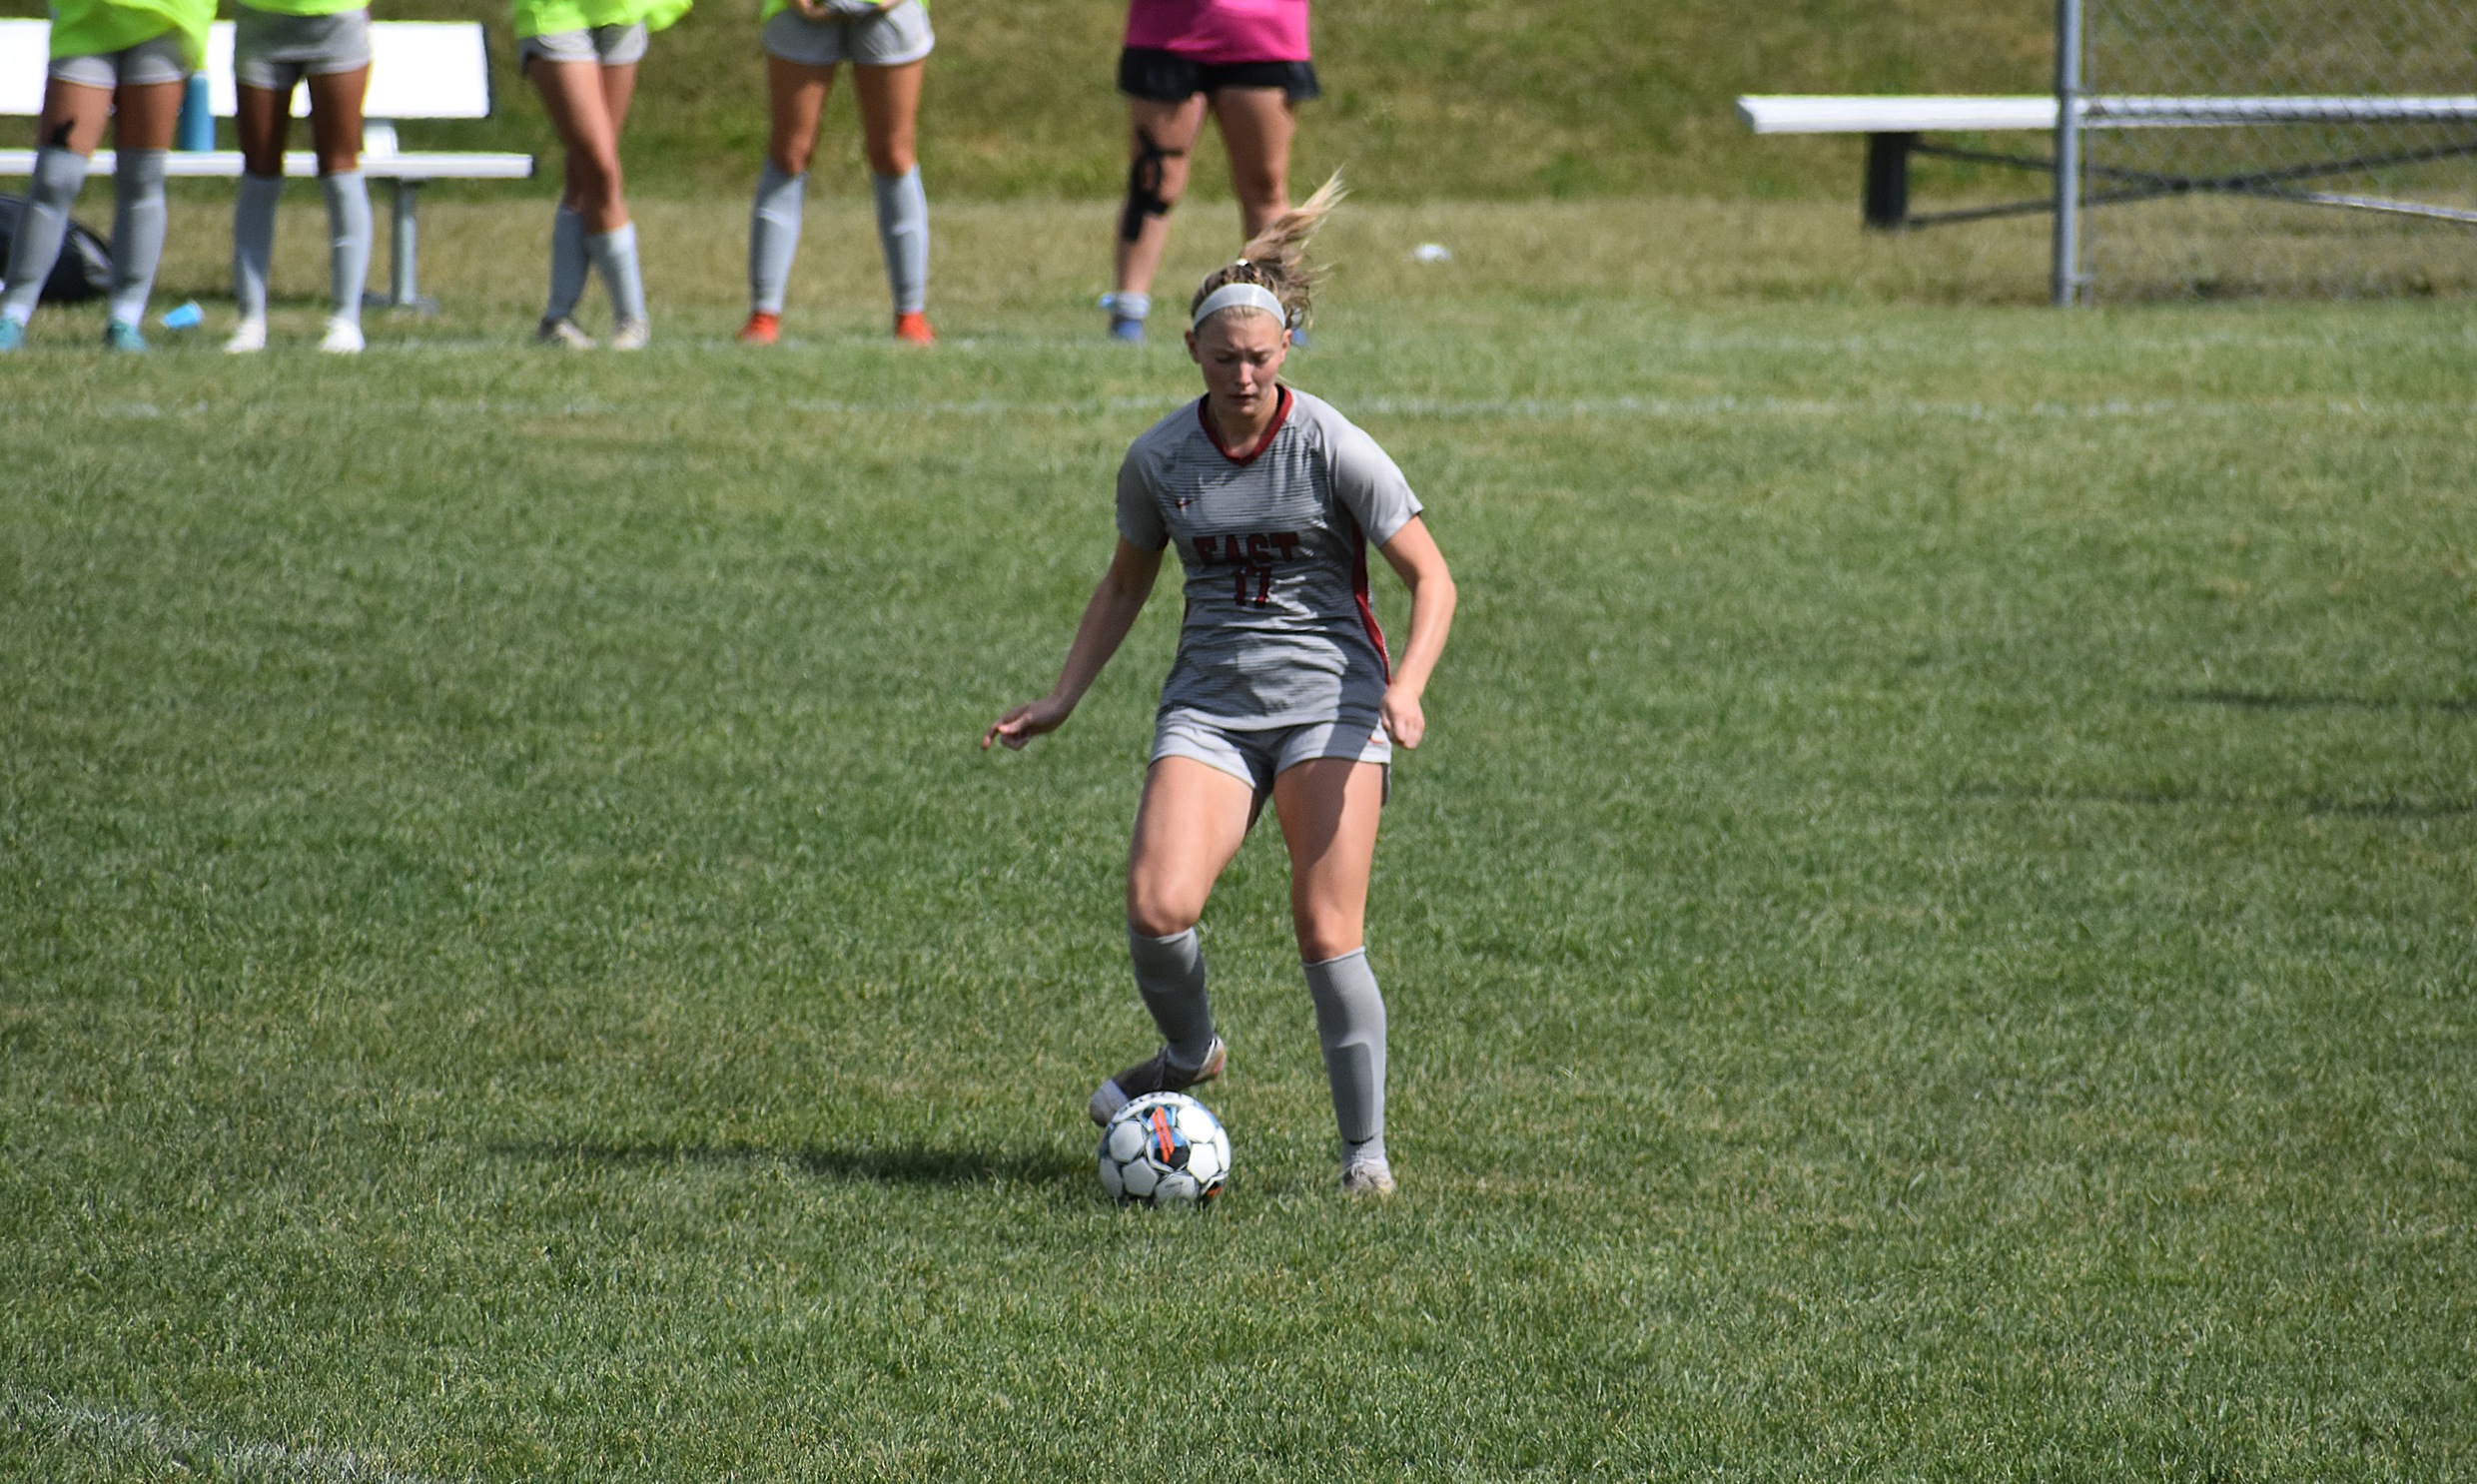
[2391, 807]
[2273, 701]
[892, 1165]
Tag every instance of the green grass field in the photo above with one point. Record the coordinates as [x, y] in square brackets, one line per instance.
[1931, 937]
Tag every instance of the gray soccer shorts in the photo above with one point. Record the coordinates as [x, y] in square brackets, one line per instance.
[274, 51]
[1256, 758]
[612, 46]
[158, 59]
[887, 38]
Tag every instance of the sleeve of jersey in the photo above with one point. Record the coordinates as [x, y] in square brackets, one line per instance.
[1139, 516]
[1369, 484]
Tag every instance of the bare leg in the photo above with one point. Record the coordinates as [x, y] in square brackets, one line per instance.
[1192, 820]
[1328, 809]
[75, 116]
[1256, 125]
[264, 123]
[1162, 136]
[889, 111]
[145, 115]
[578, 97]
[336, 118]
[797, 100]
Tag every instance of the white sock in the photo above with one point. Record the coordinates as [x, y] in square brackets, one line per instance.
[347, 241]
[903, 231]
[773, 236]
[137, 231]
[1170, 975]
[1351, 1024]
[569, 264]
[614, 255]
[253, 241]
[41, 228]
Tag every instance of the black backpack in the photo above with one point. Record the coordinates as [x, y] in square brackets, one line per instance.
[84, 270]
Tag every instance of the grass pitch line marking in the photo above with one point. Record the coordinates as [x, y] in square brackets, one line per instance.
[104, 1428]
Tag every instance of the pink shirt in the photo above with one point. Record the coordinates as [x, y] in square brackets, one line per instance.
[1222, 31]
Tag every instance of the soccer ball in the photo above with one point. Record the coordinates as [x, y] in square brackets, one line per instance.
[1164, 1149]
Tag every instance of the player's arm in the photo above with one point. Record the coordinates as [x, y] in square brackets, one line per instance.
[1107, 619]
[1415, 557]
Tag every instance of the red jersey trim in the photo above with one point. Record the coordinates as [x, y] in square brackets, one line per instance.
[1367, 610]
[1280, 415]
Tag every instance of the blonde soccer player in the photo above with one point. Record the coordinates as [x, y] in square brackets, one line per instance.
[582, 56]
[888, 48]
[1282, 690]
[276, 45]
[125, 67]
[1248, 63]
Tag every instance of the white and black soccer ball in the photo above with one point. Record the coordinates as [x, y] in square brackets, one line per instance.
[1164, 1149]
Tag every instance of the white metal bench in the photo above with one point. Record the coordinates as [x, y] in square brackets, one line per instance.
[1895, 127]
[419, 70]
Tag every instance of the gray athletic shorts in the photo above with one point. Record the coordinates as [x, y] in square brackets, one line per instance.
[612, 46]
[898, 34]
[274, 51]
[158, 59]
[1256, 758]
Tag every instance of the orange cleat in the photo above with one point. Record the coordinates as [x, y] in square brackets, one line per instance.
[913, 330]
[762, 328]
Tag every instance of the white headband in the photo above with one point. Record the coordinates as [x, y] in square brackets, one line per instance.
[1233, 296]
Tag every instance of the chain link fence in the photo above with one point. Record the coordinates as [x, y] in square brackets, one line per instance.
[2279, 147]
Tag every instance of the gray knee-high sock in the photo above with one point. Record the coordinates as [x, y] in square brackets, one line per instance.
[1351, 1024]
[1169, 973]
[773, 236]
[903, 231]
[347, 241]
[614, 255]
[253, 241]
[137, 231]
[570, 263]
[41, 228]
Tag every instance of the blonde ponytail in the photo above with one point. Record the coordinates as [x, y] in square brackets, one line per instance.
[1277, 257]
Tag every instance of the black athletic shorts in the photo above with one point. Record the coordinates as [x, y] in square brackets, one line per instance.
[1167, 76]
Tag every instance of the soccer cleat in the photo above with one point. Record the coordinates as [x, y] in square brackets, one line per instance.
[12, 333]
[123, 337]
[248, 338]
[912, 327]
[1368, 1177]
[1157, 1075]
[1298, 340]
[561, 335]
[762, 328]
[630, 334]
[1127, 329]
[344, 337]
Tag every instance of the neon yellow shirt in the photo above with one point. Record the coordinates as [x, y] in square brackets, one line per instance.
[95, 28]
[302, 7]
[774, 8]
[550, 17]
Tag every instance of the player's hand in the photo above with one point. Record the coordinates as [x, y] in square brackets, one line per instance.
[1026, 722]
[1404, 722]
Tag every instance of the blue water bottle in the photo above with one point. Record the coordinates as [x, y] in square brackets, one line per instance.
[197, 128]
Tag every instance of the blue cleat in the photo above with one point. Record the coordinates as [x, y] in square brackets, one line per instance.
[1127, 328]
[12, 333]
[120, 335]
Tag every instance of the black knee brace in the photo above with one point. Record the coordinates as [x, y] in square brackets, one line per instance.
[1144, 186]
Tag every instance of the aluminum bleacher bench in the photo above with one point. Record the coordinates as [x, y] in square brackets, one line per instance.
[419, 70]
[1895, 128]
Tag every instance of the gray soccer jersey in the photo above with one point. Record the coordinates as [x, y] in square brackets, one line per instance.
[1278, 631]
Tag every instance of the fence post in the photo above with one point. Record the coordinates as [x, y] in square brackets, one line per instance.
[2067, 280]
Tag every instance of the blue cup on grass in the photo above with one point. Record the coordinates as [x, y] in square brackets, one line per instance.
[196, 132]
